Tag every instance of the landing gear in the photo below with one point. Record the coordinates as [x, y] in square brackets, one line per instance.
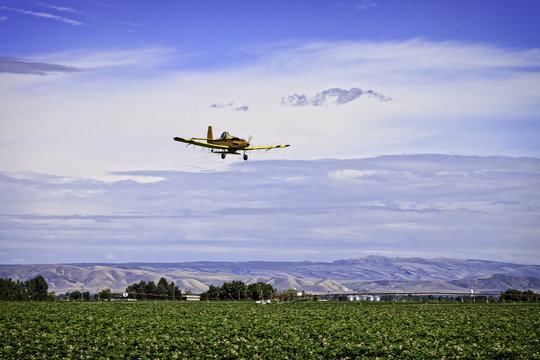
[224, 154]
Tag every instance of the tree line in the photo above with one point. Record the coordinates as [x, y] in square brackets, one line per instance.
[32, 289]
[238, 290]
[37, 289]
[516, 295]
[162, 291]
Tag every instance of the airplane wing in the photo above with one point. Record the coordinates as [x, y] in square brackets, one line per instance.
[198, 143]
[264, 147]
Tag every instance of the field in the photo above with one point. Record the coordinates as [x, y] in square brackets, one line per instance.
[301, 330]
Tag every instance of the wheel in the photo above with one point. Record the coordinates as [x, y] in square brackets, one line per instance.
[245, 157]
[223, 155]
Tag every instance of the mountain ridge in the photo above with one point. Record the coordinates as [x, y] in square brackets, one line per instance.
[375, 273]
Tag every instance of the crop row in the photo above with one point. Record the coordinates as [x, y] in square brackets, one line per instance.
[157, 330]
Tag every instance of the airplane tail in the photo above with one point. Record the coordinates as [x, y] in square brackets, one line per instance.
[210, 134]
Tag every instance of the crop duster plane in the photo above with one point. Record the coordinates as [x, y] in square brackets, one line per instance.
[226, 144]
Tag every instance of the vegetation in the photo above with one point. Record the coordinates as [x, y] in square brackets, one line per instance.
[32, 289]
[36, 289]
[516, 295]
[289, 294]
[237, 290]
[77, 295]
[105, 294]
[245, 330]
[163, 290]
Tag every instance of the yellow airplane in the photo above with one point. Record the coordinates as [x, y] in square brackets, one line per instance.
[226, 144]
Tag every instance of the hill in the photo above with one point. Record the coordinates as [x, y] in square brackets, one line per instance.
[372, 273]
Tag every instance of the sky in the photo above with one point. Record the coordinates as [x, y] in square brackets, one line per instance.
[92, 93]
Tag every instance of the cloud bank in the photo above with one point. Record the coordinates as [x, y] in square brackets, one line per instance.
[122, 113]
[90, 170]
[423, 205]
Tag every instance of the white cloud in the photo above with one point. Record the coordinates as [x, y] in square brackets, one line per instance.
[122, 113]
[44, 15]
[347, 174]
[409, 209]
[230, 106]
[334, 96]
[59, 8]
[131, 59]
[365, 4]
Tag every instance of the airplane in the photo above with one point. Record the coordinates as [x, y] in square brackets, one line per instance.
[226, 144]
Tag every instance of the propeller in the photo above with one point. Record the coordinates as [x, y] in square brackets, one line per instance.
[249, 139]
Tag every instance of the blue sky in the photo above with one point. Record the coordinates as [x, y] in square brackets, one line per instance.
[93, 92]
[214, 26]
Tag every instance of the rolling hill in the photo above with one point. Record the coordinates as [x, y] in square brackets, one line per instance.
[372, 273]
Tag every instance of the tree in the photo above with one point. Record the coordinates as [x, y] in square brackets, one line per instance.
[137, 290]
[163, 290]
[516, 295]
[105, 294]
[211, 293]
[174, 291]
[163, 287]
[511, 294]
[237, 290]
[290, 293]
[37, 288]
[75, 295]
[32, 289]
[10, 290]
[234, 290]
[528, 295]
[260, 290]
[151, 288]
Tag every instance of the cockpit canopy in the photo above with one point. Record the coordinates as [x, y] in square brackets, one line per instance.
[226, 136]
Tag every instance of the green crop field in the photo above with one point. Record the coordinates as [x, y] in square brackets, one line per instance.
[300, 330]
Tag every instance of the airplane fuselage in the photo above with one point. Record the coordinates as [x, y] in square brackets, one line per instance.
[234, 143]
